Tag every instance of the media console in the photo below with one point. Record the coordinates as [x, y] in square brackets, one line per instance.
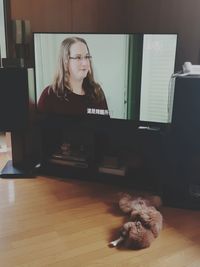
[98, 152]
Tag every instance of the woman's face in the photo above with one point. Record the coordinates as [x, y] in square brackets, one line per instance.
[79, 61]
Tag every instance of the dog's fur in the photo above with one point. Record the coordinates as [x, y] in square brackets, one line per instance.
[136, 236]
[127, 203]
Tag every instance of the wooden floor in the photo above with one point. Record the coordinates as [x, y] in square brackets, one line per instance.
[46, 221]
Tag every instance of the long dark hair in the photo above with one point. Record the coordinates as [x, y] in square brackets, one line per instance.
[60, 83]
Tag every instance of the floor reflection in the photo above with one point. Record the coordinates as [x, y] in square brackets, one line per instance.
[11, 191]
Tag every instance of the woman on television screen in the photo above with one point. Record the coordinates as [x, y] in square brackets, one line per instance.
[74, 90]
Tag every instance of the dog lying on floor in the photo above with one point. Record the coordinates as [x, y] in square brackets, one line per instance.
[145, 221]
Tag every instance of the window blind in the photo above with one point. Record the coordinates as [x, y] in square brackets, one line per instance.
[157, 67]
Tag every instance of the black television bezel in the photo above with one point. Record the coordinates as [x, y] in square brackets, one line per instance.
[58, 119]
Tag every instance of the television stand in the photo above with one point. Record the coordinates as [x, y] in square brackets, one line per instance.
[10, 171]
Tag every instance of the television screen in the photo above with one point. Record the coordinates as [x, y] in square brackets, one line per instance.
[117, 76]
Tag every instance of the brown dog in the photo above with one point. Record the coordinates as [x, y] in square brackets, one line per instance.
[145, 225]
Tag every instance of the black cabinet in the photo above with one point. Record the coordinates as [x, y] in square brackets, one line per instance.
[103, 151]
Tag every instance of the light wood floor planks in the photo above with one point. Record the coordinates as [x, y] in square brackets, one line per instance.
[47, 221]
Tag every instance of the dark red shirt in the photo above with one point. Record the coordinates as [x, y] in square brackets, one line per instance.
[73, 104]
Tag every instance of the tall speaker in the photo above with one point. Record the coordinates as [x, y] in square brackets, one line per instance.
[17, 102]
[14, 99]
[182, 184]
[186, 111]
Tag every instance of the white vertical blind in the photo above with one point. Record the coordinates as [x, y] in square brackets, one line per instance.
[2, 31]
[157, 67]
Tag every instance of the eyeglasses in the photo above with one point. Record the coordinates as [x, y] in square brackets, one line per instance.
[79, 58]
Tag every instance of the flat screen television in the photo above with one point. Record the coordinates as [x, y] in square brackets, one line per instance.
[120, 76]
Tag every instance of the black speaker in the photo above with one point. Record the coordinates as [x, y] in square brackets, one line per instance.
[186, 111]
[14, 99]
[17, 102]
[181, 185]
